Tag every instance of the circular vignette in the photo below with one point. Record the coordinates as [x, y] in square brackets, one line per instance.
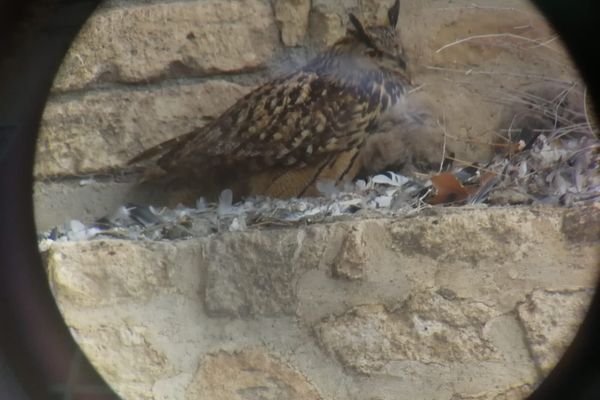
[577, 374]
[34, 37]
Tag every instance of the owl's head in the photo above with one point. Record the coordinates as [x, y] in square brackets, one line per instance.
[379, 44]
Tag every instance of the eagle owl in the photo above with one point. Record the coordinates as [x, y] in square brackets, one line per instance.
[288, 134]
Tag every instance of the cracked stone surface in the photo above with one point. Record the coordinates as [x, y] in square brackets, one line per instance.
[292, 19]
[234, 288]
[248, 374]
[140, 41]
[117, 124]
[262, 313]
[352, 257]
[551, 319]
[426, 328]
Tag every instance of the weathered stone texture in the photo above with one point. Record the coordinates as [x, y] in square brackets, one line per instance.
[248, 374]
[265, 283]
[144, 42]
[473, 241]
[122, 345]
[262, 312]
[100, 131]
[494, 248]
[105, 276]
[350, 263]
[292, 19]
[516, 393]
[432, 336]
[325, 27]
[426, 328]
[582, 226]
[551, 320]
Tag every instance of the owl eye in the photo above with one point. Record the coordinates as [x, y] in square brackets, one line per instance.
[373, 53]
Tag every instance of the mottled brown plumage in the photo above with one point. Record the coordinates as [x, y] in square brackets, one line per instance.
[307, 126]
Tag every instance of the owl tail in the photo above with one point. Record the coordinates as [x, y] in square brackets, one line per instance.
[161, 148]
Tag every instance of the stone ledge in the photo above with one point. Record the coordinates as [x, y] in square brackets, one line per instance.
[481, 324]
[550, 318]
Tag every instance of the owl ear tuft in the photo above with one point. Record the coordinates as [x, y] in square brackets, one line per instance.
[393, 13]
[359, 31]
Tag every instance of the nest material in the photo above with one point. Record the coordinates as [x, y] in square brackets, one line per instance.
[550, 155]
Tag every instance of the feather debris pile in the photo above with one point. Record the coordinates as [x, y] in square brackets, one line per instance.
[380, 195]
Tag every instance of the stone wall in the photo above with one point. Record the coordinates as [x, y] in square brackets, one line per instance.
[465, 304]
[452, 304]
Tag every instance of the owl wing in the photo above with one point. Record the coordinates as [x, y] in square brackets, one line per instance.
[291, 122]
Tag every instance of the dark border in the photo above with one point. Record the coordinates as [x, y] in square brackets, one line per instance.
[34, 36]
[47, 362]
[577, 375]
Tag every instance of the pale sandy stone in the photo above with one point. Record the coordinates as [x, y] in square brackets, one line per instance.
[265, 282]
[292, 20]
[248, 374]
[325, 27]
[139, 42]
[106, 272]
[582, 225]
[125, 354]
[514, 393]
[501, 250]
[427, 329]
[161, 319]
[429, 336]
[101, 130]
[352, 257]
[551, 320]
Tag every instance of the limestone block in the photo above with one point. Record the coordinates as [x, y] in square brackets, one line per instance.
[426, 328]
[500, 250]
[141, 42]
[265, 283]
[106, 272]
[514, 393]
[551, 320]
[248, 374]
[104, 284]
[292, 20]
[260, 313]
[325, 27]
[352, 258]
[582, 227]
[100, 131]
[429, 336]
[474, 240]
[121, 345]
